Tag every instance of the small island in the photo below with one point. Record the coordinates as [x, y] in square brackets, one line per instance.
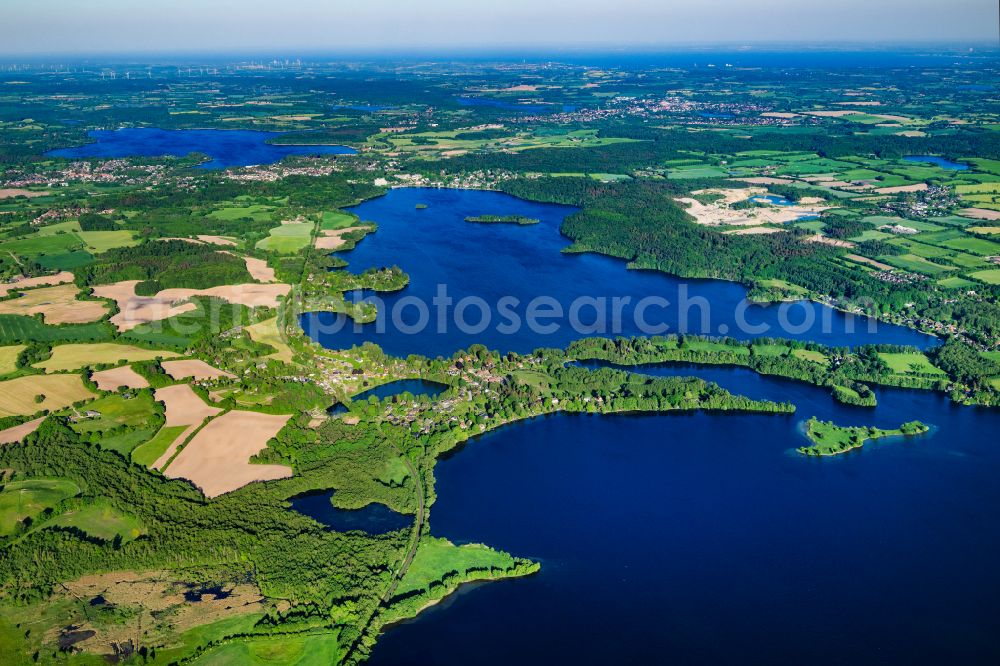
[830, 439]
[421, 206]
[501, 219]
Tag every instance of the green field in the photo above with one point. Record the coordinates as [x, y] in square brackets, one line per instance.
[28, 498]
[910, 363]
[148, 453]
[100, 521]
[337, 219]
[287, 238]
[117, 411]
[437, 557]
[991, 276]
[257, 213]
[18, 328]
[320, 649]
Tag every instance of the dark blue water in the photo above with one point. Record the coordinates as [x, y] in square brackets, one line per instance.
[716, 116]
[411, 386]
[510, 266]
[372, 519]
[937, 161]
[227, 148]
[702, 539]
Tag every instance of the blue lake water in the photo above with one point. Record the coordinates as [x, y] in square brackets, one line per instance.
[703, 539]
[373, 519]
[503, 263]
[937, 161]
[411, 386]
[716, 116]
[227, 148]
[772, 199]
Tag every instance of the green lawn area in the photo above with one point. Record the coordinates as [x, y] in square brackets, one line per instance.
[18, 328]
[770, 350]
[337, 219]
[437, 557]
[810, 355]
[705, 171]
[708, 345]
[991, 276]
[116, 411]
[124, 442]
[956, 283]
[257, 213]
[148, 453]
[911, 262]
[102, 241]
[974, 245]
[28, 498]
[298, 650]
[100, 521]
[287, 238]
[909, 363]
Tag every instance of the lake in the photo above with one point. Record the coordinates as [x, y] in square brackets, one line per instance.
[414, 387]
[937, 161]
[703, 539]
[372, 519]
[226, 148]
[486, 268]
[693, 538]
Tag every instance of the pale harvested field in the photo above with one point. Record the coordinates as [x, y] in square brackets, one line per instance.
[19, 432]
[332, 240]
[110, 380]
[17, 396]
[871, 262]
[980, 213]
[911, 133]
[194, 368]
[216, 240]
[136, 310]
[985, 230]
[42, 281]
[58, 305]
[82, 355]
[10, 192]
[259, 270]
[829, 241]
[217, 459]
[918, 187]
[8, 358]
[778, 114]
[184, 408]
[750, 231]
[859, 103]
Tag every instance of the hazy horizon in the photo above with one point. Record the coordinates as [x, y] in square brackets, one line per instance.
[66, 27]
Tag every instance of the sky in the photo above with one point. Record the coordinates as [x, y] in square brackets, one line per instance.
[51, 27]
